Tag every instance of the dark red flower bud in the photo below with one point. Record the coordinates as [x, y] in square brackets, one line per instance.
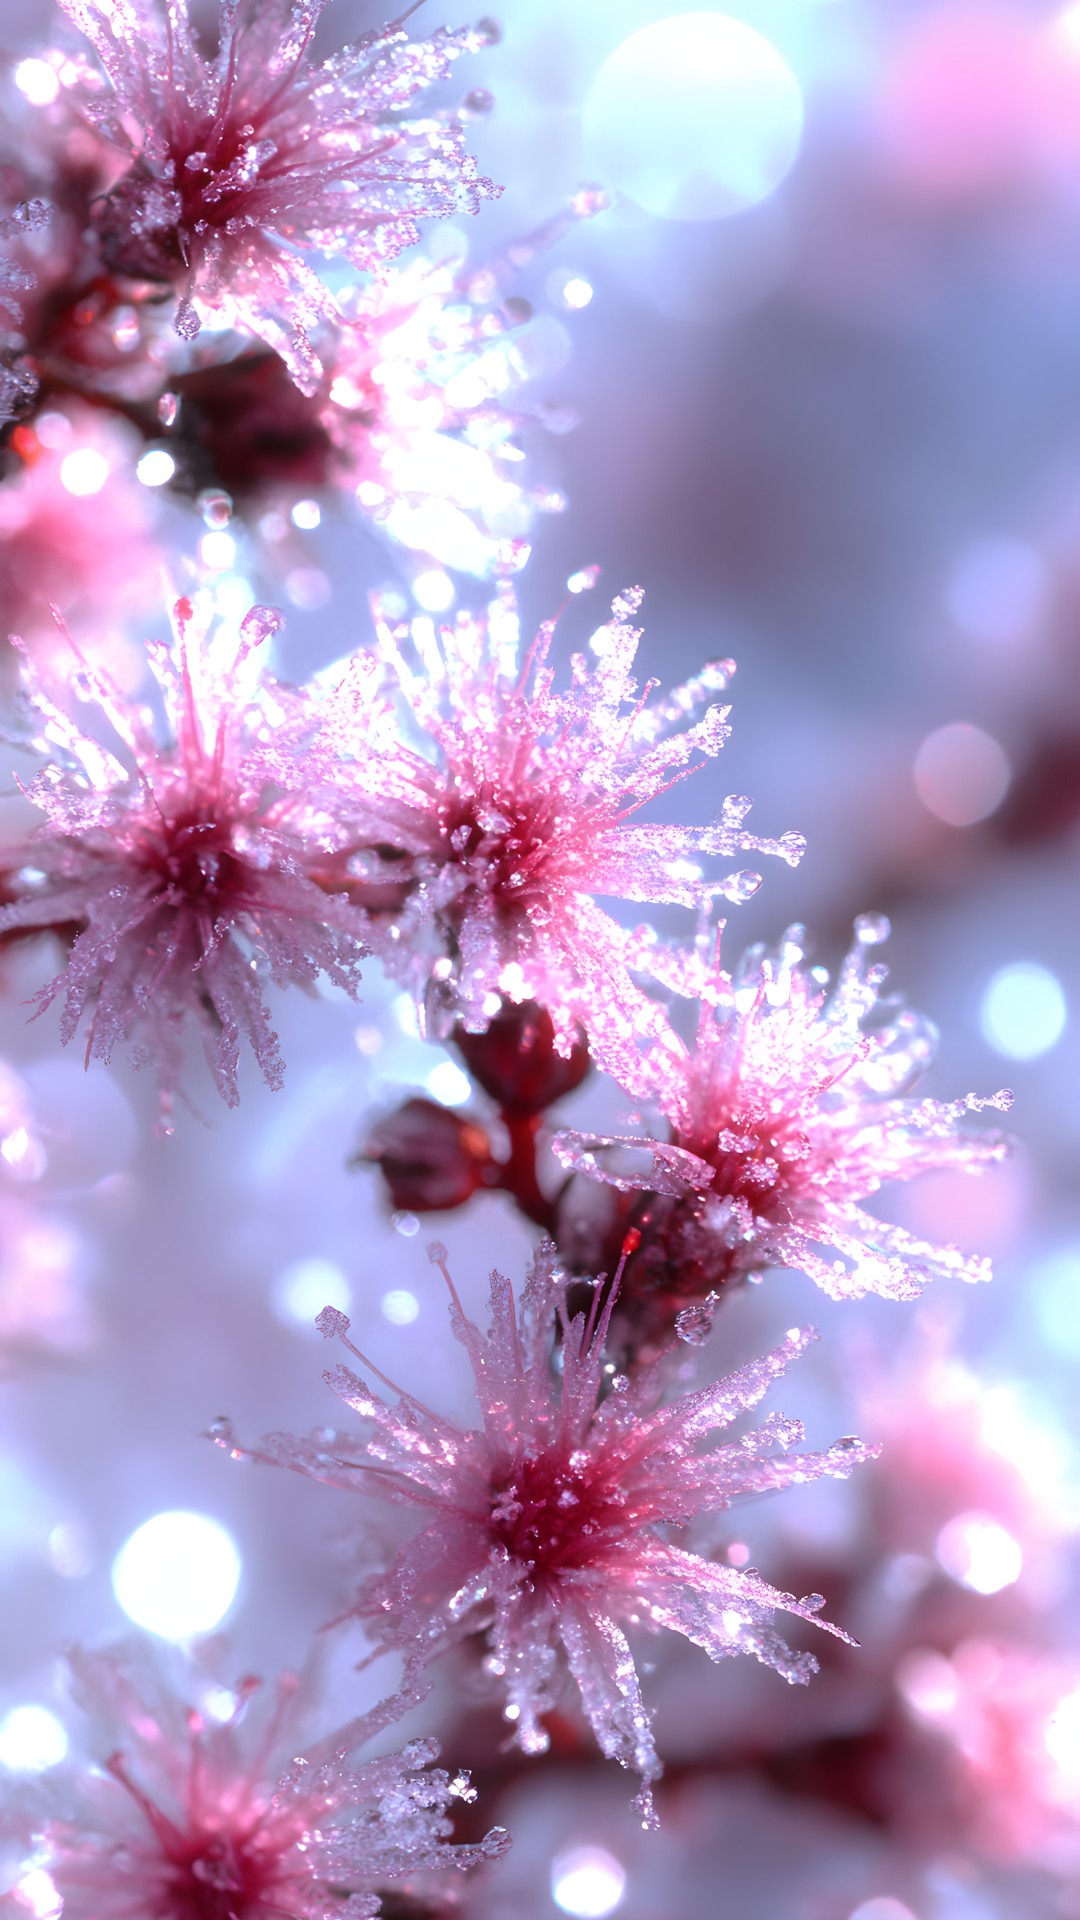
[515, 1060]
[430, 1157]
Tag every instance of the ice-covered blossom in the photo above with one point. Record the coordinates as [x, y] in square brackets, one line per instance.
[788, 1111]
[549, 1527]
[239, 166]
[179, 843]
[507, 805]
[203, 1805]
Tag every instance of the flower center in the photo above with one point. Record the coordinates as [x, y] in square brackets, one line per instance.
[194, 861]
[553, 1516]
[220, 1879]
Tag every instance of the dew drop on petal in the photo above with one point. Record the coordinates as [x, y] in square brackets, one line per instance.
[694, 1324]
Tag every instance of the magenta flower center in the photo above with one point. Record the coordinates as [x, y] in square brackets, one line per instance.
[769, 1172]
[553, 1517]
[216, 1877]
[194, 860]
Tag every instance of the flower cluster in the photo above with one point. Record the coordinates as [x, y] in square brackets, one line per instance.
[549, 1528]
[218, 291]
[195, 1812]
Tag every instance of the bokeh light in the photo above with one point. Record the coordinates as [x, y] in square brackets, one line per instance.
[978, 1552]
[587, 1882]
[84, 471]
[31, 1740]
[177, 1575]
[961, 774]
[1023, 1010]
[693, 118]
[305, 1287]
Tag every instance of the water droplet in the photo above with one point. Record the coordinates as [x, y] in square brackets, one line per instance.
[215, 506]
[791, 847]
[187, 322]
[741, 886]
[694, 1324]
[260, 624]
[488, 32]
[167, 408]
[406, 1224]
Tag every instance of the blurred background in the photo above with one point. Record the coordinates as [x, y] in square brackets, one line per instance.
[812, 379]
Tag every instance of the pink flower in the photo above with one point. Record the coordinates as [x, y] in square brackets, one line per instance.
[182, 853]
[787, 1113]
[74, 532]
[1008, 1719]
[239, 166]
[517, 804]
[548, 1527]
[195, 1817]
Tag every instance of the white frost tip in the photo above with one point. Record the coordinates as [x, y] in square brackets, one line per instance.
[872, 928]
[437, 1253]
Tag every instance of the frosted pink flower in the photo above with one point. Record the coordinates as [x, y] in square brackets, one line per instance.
[517, 804]
[549, 1526]
[788, 1111]
[181, 850]
[195, 1817]
[239, 166]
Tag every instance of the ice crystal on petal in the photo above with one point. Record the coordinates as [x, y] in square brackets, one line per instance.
[549, 1525]
[508, 805]
[789, 1110]
[179, 849]
[241, 165]
[196, 1816]
[17, 383]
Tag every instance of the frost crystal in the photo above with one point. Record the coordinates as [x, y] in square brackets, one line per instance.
[179, 850]
[786, 1114]
[192, 1819]
[240, 165]
[548, 1525]
[17, 383]
[517, 804]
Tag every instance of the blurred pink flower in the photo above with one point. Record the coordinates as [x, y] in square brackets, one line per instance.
[193, 1817]
[505, 806]
[785, 1115]
[180, 851]
[243, 164]
[75, 525]
[549, 1524]
[1009, 1718]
